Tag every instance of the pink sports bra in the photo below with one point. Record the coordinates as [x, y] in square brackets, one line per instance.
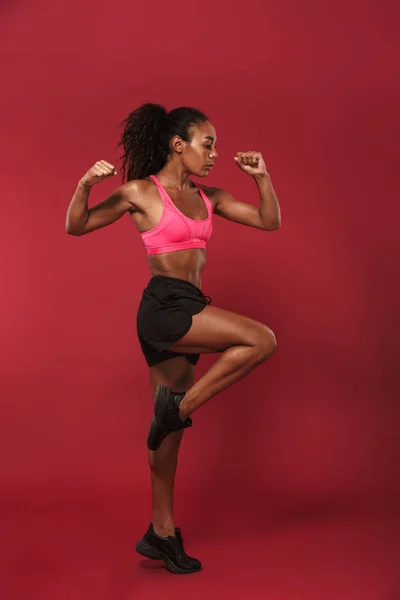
[175, 231]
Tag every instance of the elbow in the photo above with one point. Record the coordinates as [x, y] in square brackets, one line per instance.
[72, 228]
[273, 225]
[71, 231]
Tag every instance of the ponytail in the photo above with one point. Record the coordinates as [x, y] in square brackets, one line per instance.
[146, 135]
[141, 139]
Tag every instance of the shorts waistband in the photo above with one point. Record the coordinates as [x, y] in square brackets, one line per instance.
[173, 279]
[191, 285]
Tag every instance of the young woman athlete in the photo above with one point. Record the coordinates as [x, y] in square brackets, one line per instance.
[175, 322]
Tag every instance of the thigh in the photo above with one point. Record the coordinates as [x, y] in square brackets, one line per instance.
[215, 329]
[176, 373]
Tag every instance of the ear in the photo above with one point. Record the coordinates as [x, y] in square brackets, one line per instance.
[178, 144]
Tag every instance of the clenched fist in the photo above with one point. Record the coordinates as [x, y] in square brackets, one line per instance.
[251, 163]
[99, 172]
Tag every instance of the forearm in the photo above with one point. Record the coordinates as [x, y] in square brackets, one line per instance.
[269, 206]
[77, 213]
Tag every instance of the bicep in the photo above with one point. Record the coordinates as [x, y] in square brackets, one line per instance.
[109, 211]
[238, 212]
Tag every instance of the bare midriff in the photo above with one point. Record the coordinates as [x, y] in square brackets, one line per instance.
[183, 264]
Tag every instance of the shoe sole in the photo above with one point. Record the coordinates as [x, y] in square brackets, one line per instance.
[161, 401]
[148, 551]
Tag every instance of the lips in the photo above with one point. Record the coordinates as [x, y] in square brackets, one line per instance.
[210, 166]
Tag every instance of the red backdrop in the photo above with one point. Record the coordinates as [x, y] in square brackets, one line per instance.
[310, 85]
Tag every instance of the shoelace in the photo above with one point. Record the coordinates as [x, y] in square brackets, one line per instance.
[207, 299]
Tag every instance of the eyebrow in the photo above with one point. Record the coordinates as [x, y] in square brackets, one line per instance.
[209, 137]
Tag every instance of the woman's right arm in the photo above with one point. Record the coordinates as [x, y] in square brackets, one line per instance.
[81, 220]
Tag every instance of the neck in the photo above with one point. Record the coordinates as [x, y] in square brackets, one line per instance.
[174, 176]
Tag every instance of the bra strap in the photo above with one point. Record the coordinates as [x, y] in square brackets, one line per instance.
[158, 184]
[164, 196]
[166, 199]
[205, 198]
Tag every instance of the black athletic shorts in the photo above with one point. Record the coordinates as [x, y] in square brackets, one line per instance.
[165, 316]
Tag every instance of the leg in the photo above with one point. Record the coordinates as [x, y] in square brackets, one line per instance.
[178, 375]
[244, 344]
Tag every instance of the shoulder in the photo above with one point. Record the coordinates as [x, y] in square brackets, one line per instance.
[214, 194]
[136, 191]
[136, 186]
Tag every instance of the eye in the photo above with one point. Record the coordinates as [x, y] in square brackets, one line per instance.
[208, 146]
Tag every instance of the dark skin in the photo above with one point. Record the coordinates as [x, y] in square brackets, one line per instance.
[185, 264]
[141, 199]
[241, 342]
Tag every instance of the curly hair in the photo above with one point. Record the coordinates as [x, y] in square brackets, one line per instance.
[146, 136]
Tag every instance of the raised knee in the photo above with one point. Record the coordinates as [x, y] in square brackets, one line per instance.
[266, 343]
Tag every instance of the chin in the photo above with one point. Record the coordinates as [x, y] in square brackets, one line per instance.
[203, 173]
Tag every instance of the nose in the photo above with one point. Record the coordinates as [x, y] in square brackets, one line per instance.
[214, 154]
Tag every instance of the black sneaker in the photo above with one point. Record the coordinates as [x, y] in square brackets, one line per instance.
[169, 549]
[166, 417]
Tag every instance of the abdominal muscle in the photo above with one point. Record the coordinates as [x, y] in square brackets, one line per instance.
[183, 264]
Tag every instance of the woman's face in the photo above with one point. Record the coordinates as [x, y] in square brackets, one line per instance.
[199, 154]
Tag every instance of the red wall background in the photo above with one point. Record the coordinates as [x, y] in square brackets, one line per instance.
[312, 86]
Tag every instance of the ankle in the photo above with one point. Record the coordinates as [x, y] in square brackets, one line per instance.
[185, 408]
[164, 533]
[164, 529]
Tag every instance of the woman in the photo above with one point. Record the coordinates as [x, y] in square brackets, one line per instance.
[175, 322]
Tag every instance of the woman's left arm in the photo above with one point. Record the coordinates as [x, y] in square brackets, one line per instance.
[268, 215]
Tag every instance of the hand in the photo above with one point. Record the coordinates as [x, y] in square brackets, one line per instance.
[251, 163]
[99, 172]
